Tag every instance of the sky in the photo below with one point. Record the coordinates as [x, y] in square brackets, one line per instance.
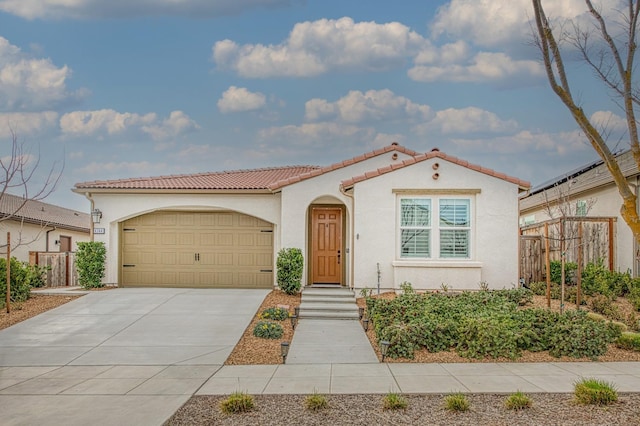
[121, 89]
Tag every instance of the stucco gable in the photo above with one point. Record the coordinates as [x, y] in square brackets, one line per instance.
[349, 183]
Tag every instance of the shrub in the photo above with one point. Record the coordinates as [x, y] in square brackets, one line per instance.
[595, 392]
[394, 401]
[494, 337]
[316, 402]
[268, 330]
[539, 288]
[629, 341]
[602, 304]
[278, 314]
[90, 262]
[20, 288]
[237, 402]
[576, 335]
[457, 402]
[289, 266]
[570, 269]
[402, 340]
[518, 401]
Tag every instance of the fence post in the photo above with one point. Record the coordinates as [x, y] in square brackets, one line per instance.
[8, 301]
[580, 261]
[547, 263]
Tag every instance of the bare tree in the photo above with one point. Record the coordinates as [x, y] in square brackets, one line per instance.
[19, 175]
[611, 57]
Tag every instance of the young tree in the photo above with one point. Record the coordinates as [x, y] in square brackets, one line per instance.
[611, 57]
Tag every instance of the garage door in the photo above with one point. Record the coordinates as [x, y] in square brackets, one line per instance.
[197, 249]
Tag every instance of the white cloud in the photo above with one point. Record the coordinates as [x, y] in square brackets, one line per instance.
[176, 124]
[317, 47]
[99, 122]
[526, 141]
[491, 23]
[607, 121]
[483, 67]
[44, 9]
[466, 120]
[238, 99]
[26, 123]
[28, 83]
[373, 105]
[315, 133]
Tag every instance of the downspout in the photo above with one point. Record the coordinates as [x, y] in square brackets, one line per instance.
[351, 250]
[46, 246]
[88, 196]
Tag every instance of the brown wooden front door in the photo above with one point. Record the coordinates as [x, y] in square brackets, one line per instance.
[326, 245]
[65, 243]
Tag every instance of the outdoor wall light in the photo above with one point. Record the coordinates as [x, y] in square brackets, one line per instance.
[294, 321]
[96, 215]
[384, 348]
[296, 311]
[365, 324]
[361, 312]
[284, 351]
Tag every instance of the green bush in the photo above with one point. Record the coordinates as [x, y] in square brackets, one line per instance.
[597, 279]
[394, 401]
[20, 288]
[290, 264]
[539, 288]
[490, 336]
[268, 330]
[278, 314]
[90, 262]
[237, 402]
[518, 401]
[457, 402]
[316, 402]
[402, 339]
[602, 304]
[35, 275]
[629, 341]
[595, 392]
[576, 335]
[570, 269]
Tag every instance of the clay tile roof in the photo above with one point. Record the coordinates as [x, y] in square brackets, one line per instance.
[14, 207]
[422, 157]
[389, 148]
[226, 180]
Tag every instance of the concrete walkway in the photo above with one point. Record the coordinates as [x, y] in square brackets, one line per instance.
[418, 378]
[330, 342]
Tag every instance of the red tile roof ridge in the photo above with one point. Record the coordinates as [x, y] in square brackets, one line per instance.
[434, 154]
[344, 163]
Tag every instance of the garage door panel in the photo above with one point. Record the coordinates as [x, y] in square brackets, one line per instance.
[197, 249]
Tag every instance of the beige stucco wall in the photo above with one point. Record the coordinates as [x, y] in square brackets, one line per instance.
[117, 208]
[26, 237]
[494, 243]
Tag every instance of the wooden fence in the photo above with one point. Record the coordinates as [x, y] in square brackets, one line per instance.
[582, 239]
[61, 269]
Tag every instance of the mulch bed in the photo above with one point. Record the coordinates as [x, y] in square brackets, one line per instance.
[486, 409]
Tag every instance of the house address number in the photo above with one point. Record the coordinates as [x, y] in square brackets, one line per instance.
[98, 230]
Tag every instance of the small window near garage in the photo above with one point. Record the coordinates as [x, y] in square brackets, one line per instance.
[529, 220]
[415, 228]
[455, 227]
[581, 208]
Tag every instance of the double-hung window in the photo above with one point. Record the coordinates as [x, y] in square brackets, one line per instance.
[415, 227]
[435, 228]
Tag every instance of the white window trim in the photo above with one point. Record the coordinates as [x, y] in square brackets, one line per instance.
[435, 232]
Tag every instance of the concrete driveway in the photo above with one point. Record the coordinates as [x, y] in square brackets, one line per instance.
[123, 356]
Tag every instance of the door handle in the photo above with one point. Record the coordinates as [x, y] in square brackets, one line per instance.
[338, 257]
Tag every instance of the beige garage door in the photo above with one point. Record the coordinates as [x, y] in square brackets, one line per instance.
[197, 249]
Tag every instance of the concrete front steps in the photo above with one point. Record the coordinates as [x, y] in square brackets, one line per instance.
[328, 303]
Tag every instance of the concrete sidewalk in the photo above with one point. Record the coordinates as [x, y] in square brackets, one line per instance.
[418, 378]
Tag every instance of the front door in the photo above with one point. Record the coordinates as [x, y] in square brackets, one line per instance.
[326, 241]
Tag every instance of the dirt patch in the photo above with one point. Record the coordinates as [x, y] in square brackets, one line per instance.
[256, 350]
[556, 409]
[33, 306]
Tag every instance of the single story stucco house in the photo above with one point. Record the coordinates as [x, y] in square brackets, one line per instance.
[38, 226]
[426, 218]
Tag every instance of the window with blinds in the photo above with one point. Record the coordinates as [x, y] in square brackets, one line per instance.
[440, 225]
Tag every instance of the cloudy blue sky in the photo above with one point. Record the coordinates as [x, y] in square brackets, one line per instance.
[133, 88]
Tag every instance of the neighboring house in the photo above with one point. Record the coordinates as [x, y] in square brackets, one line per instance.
[424, 218]
[588, 191]
[38, 226]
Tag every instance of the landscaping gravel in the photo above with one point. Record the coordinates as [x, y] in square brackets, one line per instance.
[486, 409]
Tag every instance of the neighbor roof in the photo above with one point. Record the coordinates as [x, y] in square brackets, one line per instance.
[30, 211]
[434, 154]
